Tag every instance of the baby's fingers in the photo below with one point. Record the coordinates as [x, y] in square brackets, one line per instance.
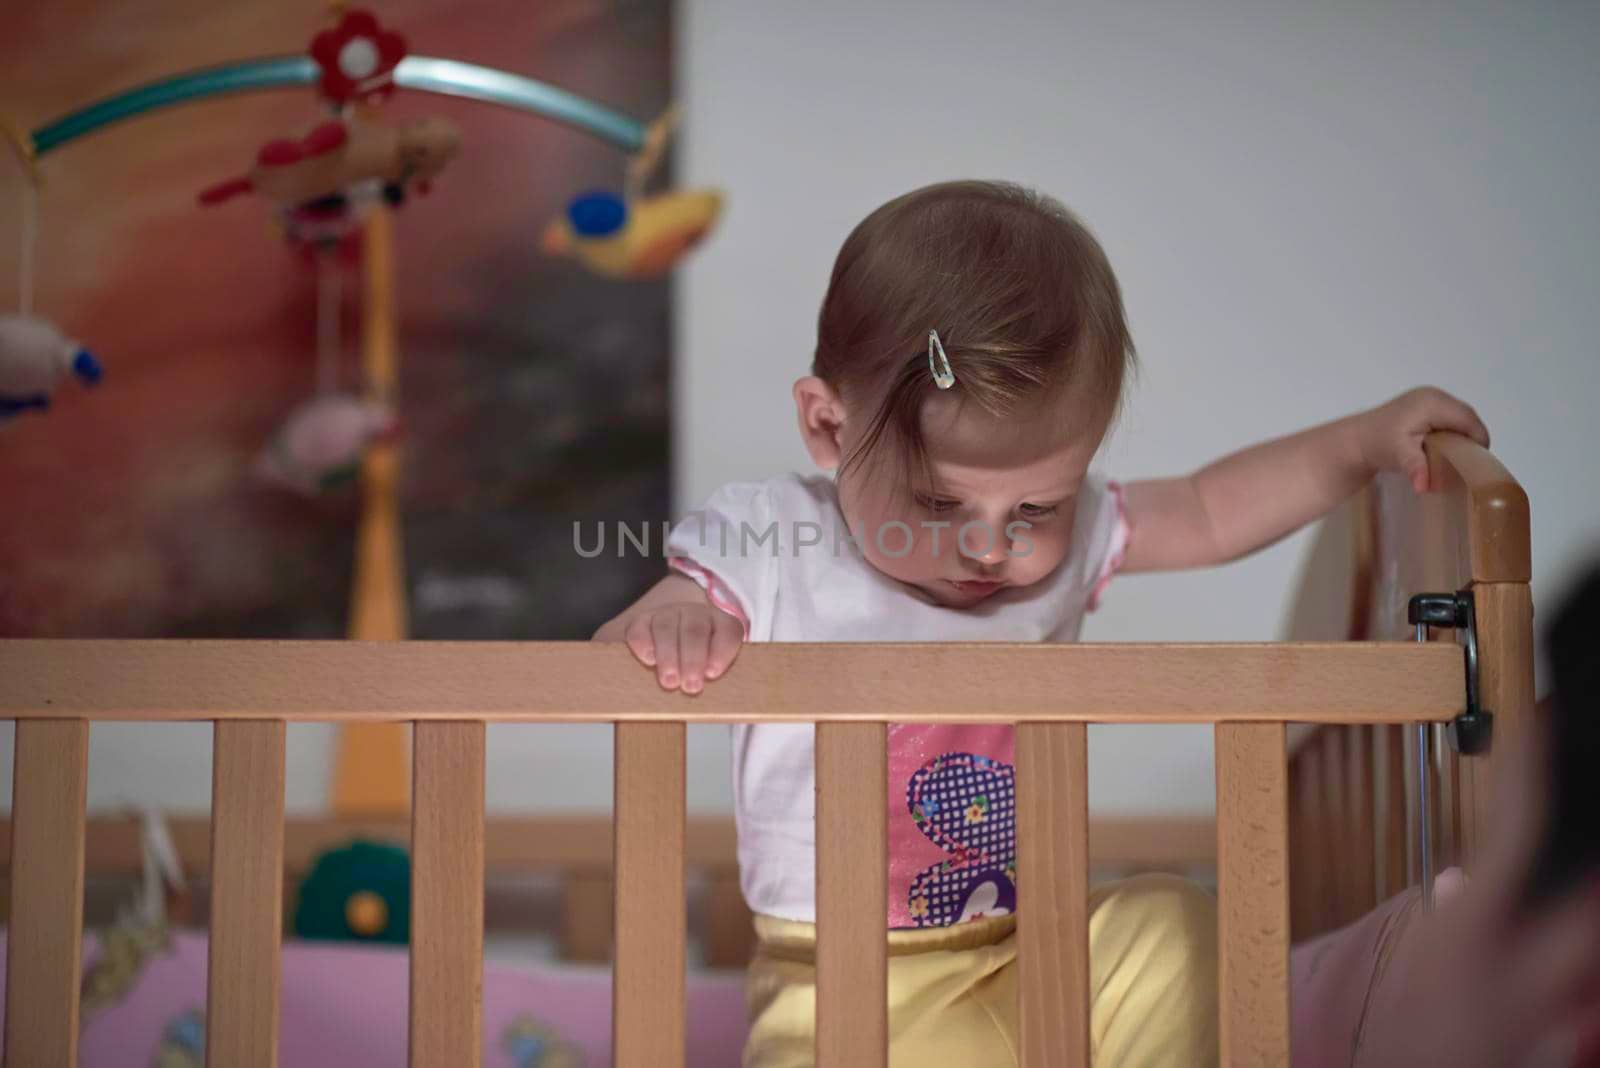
[664, 631]
[694, 640]
[1461, 418]
[727, 635]
[640, 641]
[1445, 412]
[1414, 461]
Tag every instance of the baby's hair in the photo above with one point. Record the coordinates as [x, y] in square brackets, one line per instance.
[1022, 295]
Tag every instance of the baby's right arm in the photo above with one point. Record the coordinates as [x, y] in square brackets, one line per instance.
[675, 629]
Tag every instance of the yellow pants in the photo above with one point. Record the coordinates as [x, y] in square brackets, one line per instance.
[953, 991]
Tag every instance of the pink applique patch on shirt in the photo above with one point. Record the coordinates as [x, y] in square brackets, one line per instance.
[1118, 551]
[952, 824]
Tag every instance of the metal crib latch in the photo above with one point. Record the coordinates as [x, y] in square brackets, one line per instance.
[1471, 731]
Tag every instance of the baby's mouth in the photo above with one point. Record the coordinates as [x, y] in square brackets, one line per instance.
[979, 586]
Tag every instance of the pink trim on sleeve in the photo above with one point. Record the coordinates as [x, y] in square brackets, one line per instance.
[1118, 550]
[715, 588]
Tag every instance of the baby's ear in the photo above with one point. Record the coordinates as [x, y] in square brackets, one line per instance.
[821, 416]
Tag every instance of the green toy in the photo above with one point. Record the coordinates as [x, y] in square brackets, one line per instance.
[360, 893]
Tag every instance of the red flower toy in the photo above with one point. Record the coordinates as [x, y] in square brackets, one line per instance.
[358, 58]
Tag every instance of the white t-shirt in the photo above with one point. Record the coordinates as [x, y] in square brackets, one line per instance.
[776, 554]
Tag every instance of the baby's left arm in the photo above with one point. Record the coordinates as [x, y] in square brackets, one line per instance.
[1252, 498]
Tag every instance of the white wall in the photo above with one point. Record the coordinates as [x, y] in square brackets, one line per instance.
[1310, 208]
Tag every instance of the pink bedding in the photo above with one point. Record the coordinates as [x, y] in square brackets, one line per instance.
[346, 1005]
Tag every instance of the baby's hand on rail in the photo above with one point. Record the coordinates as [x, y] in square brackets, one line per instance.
[687, 644]
[676, 630]
[1391, 438]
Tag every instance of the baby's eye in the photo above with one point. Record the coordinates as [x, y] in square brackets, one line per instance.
[1038, 511]
[937, 504]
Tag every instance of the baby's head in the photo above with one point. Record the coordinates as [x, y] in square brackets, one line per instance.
[1030, 318]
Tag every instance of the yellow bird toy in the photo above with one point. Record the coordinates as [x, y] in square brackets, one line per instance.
[633, 236]
[641, 239]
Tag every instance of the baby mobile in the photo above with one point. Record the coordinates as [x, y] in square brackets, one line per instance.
[633, 235]
[35, 355]
[322, 183]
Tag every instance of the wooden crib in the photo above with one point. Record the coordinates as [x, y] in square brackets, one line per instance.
[1335, 790]
[551, 874]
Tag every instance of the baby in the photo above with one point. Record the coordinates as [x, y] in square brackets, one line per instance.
[972, 353]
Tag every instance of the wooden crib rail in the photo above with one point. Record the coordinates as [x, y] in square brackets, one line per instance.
[583, 682]
[1354, 826]
[1473, 530]
[250, 689]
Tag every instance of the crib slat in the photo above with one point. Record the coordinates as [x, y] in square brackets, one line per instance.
[1363, 838]
[1315, 890]
[648, 1000]
[1053, 893]
[852, 895]
[45, 947]
[1253, 892]
[1336, 887]
[447, 894]
[729, 929]
[1299, 845]
[242, 979]
[1448, 769]
[1393, 829]
[1335, 800]
[586, 912]
[1335, 881]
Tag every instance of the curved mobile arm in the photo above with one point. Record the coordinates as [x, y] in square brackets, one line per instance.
[446, 77]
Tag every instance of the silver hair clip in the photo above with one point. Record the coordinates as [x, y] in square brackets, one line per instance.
[946, 378]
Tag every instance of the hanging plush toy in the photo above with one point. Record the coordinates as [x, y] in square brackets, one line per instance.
[321, 445]
[635, 236]
[35, 356]
[322, 181]
[639, 239]
[34, 359]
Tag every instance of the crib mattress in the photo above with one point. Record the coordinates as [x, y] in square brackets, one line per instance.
[346, 1005]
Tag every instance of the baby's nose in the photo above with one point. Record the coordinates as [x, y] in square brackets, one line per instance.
[988, 553]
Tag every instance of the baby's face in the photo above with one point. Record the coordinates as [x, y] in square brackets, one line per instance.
[1012, 484]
